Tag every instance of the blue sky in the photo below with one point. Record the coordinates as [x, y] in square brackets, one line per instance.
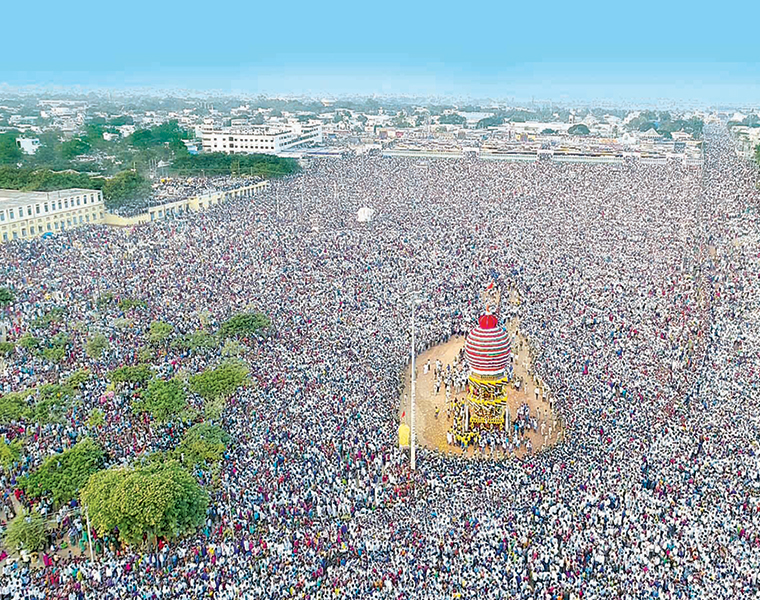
[641, 51]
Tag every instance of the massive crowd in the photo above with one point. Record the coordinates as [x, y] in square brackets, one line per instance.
[639, 287]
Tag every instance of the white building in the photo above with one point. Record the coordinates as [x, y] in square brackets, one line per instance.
[25, 215]
[28, 145]
[260, 139]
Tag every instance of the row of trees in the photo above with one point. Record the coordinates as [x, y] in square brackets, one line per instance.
[158, 498]
[218, 163]
[166, 400]
[95, 148]
[44, 180]
[665, 124]
[46, 403]
[121, 189]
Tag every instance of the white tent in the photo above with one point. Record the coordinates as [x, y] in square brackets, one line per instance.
[365, 214]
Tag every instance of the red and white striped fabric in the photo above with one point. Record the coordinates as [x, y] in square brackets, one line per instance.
[488, 347]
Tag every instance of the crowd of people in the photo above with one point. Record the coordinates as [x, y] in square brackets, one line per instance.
[639, 288]
[173, 189]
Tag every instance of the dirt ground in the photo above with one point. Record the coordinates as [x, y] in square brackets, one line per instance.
[431, 431]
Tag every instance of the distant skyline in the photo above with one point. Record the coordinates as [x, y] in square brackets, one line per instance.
[591, 52]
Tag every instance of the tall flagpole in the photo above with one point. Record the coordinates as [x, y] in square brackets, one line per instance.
[89, 532]
[414, 391]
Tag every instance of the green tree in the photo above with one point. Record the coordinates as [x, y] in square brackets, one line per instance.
[44, 180]
[51, 403]
[400, 120]
[14, 406]
[74, 148]
[218, 163]
[212, 409]
[7, 297]
[131, 374]
[10, 153]
[61, 475]
[54, 315]
[493, 121]
[121, 120]
[10, 452]
[244, 324]
[77, 379]
[124, 188]
[579, 129]
[196, 341]
[203, 444]
[169, 133]
[29, 342]
[159, 331]
[27, 531]
[54, 354]
[127, 304]
[59, 339]
[96, 345]
[96, 418]
[163, 400]
[220, 382]
[157, 501]
[7, 348]
[232, 348]
[452, 119]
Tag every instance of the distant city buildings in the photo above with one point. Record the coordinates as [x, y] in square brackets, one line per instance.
[260, 139]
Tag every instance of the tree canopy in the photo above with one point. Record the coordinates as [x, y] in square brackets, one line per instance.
[166, 133]
[452, 119]
[163, 400]
[10, 153]
[77, 379]
[159, 331]
[664, 123]
[579, 129]
[244, 324]
[61, 475]
[220, 382]
[75, 147]
[196, 340]
[218, 163]
[125, 187]
[27, 531]
[131, 374]
[145, 503]
[14, 406]
[45, 180]
[96, 345]
[10, 452]
[203, 444]
[7, 297]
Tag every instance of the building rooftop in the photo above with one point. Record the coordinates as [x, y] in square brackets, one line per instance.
[14, 198]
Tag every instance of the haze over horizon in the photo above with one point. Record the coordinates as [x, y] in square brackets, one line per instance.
[651, 53]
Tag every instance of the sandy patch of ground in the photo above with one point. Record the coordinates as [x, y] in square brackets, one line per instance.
[431, 431]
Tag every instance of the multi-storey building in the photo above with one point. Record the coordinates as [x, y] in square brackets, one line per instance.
[25, 215]
[260, 139]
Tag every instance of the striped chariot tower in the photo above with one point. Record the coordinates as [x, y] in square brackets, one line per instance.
[488, 350]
